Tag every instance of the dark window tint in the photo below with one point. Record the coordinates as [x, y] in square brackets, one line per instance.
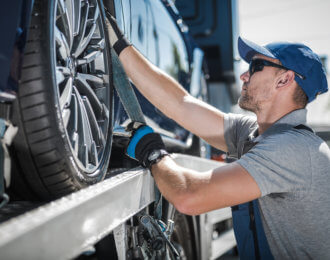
[172, 51]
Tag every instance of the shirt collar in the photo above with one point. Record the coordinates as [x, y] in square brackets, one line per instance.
[294, 118]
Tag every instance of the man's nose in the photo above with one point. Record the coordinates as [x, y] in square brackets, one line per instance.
[245, 76]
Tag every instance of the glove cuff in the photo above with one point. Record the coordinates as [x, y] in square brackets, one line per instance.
[145, 146]
[116, 36]
[140, 133]
[120, 45]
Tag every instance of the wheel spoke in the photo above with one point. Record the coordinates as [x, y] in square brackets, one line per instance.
[62, 45]
[74, 11]
[82, 29]
[64, 70]
[72, 127]
[75, 143]
[66, 95]
[99, 46]
[102, 139]
[66, 116]
[84, 130]
[106, 112]
[104, 123]
[94, 159]
[66, 22]
[90, 28]
[86, 40]
[61, 74]
[93, 122]
[76, 15]
[89, 58]
[83, 152]
[86, 89]
[75, 116]
[96, 82]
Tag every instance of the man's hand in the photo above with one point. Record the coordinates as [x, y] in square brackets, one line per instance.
[145, 145]
[116, 36]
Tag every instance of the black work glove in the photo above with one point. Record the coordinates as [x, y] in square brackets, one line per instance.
[145, 146]
[116, 36]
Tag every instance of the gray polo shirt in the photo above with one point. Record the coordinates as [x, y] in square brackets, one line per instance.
[292, 170]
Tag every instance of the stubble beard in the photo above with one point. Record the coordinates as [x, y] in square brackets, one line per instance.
[244, 102]
[247, 102]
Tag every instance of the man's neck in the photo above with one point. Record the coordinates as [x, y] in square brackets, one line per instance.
[266, 120]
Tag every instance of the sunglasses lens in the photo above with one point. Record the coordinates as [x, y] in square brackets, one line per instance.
[256, 65]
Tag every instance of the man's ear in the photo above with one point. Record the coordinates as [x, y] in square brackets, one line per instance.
[285, 79]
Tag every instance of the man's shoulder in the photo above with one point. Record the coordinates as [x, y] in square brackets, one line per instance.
[236, 128]
[242, 117]
[292, 140]
[240, 120]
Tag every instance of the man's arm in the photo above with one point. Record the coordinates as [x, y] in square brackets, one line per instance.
[195, 193]
[189, 191]
[173, 100]
[167, 94]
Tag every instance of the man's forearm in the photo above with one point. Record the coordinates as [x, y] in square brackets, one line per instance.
[194, 193]
[159, 88]
[179, 185]
[173, 100]
[167, 94]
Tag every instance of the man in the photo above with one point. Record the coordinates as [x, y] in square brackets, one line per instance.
[283, 170]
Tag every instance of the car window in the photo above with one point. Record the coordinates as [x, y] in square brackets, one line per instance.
[153, 48]
[126, 13]
[120, 15]
[173, 56]
[139, 25]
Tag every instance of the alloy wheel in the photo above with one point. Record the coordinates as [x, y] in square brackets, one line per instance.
[82, 78]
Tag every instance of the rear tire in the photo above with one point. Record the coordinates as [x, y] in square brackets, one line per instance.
[65, 105]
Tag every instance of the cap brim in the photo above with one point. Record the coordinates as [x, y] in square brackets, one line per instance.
[248, 49]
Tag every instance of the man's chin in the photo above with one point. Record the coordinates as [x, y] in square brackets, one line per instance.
[244, 104]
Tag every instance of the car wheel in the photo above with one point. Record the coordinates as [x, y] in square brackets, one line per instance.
[65, 105]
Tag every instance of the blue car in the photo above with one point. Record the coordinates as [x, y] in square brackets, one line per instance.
[56, 61]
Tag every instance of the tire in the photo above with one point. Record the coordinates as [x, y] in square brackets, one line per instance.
[65, 105]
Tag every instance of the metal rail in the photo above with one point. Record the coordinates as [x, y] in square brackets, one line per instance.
[66, 227]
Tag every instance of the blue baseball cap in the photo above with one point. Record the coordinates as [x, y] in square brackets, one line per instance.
[294, 56]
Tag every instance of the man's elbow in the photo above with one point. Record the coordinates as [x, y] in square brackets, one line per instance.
[187, 205]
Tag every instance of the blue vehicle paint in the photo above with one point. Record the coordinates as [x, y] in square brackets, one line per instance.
[14, 21]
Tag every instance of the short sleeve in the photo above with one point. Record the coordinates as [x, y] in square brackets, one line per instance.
[280, 163]
[237, 127]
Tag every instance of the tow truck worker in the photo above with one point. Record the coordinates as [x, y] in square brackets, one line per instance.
[279, 186]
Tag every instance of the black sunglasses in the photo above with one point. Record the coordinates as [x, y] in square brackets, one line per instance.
[259, 64]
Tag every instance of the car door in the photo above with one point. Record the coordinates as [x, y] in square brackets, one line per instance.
[166, 49]
[172, 49]
[152, 30]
